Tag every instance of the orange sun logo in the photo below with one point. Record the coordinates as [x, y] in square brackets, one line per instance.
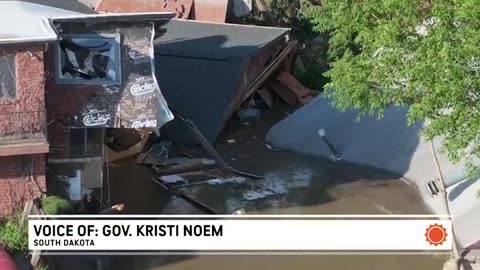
[436, 234]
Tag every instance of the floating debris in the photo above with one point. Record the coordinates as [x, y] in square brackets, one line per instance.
[215, 181]
[240, 211]
[218, 181]
[173, 178]
[255, 195]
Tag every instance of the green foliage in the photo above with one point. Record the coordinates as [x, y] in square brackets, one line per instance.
[41, 266]
[13, 235]
[54, 205]
[312, 77]
[417, 53]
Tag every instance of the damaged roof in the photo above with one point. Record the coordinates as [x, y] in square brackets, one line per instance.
[29, 22]
[199, 66]
[216, 41]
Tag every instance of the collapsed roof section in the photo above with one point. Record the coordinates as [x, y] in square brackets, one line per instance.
[205, 70]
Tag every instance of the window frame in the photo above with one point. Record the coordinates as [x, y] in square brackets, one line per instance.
[25, 166]
[118, 55]
[85, 153]
[15, 79]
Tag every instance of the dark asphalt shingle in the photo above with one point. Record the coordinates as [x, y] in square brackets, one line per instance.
[214, 40]
[198, 88]
[198, 67]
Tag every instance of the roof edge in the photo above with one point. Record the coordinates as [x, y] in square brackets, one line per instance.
[237, 25]
[112, 17]
[11, 41]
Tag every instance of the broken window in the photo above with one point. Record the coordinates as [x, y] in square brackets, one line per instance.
[86, 142]
[89, 59]
[7, 76]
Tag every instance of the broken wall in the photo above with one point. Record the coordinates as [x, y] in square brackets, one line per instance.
[134, 103]
[207, 78]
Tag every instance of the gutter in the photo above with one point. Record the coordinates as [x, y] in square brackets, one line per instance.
[107, 17]
[15, 41]
[113, 17]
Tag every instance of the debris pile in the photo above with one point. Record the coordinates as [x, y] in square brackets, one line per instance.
[208, 73]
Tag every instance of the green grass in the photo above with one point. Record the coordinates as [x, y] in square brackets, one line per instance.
[13, 235]
[41, 266]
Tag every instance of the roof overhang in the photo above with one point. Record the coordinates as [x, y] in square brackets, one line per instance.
[34, 23]
[115, 17]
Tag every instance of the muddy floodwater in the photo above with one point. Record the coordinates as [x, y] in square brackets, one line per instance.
[292, 184]
[307, 187]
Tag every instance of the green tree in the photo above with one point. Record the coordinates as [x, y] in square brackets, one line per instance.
[423, 54]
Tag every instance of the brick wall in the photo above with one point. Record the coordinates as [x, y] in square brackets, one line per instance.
[68, 104]
[63, 102]
[25, 113]
[30, 94]
[20, 183]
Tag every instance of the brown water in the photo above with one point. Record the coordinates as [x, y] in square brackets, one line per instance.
[294, 184]
[289, 263]
[307, 186]
[321, 190]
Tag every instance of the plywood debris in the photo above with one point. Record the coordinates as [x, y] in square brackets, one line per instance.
[303, 93]
[193, 165]
[113, 156]
[270, 69]
[284, 93]
[292, 83]
[267, 96]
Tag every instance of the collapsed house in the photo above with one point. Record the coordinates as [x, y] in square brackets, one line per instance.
[206, 70]
[95, 75]
[66, 77]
